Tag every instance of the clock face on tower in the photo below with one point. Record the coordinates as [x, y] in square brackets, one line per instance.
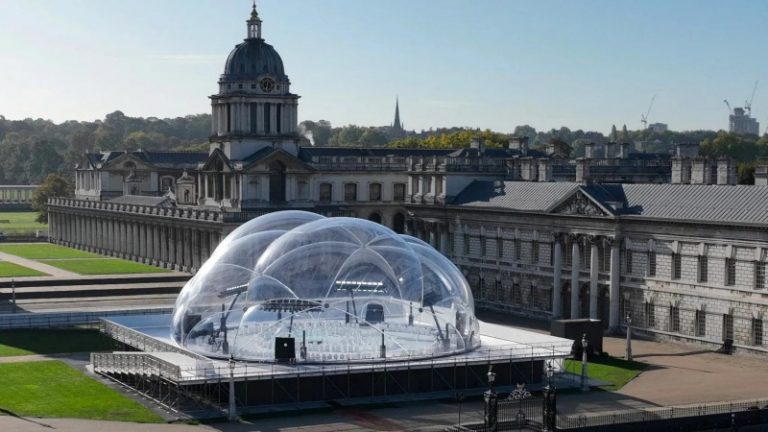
[267, 85]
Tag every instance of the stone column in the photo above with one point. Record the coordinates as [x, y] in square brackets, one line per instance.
[613, 292]
[557, 268]
[594, 268]
[575, 268]
[171, 246]
[163, 243]
[195, 249]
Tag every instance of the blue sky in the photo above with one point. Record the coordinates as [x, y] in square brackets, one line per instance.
[480, 63]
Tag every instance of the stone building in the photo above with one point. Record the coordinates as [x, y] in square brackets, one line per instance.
[668, 239]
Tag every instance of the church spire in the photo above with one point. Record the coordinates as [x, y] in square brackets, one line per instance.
[254, 24]
[397, 125]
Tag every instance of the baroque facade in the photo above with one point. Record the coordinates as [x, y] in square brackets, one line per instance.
[668, 239]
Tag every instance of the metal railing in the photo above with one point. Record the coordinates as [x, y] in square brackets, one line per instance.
[67, 319]
[656, 413]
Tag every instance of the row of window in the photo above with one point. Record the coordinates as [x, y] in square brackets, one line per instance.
[702, 271]
[700, 323]
[350, 192]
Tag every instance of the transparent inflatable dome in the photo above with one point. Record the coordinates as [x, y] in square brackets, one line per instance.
[298, 287]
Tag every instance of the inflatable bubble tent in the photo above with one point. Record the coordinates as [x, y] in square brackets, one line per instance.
[294, 286]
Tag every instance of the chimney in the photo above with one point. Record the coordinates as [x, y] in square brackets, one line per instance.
[681, 170]
[545, 170]
[609, 146]
[589, 150]
[582, 171]
[477, 143]
[761, 174]
[726, 174]
[700, 172]
[623, 150]
[528, 169]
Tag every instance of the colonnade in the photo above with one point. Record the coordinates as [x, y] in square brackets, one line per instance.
[161, 241]
[16, 194]
[575, 242]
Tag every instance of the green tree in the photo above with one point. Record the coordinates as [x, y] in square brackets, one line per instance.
[52, 187]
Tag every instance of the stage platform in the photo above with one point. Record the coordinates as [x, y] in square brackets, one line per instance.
[153, 364]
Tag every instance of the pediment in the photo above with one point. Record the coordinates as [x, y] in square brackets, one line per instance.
[289, 161]
[128, 162]
[217, 161]
[580, 204]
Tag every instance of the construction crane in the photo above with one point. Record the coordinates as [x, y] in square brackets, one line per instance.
[748, 104]
[730, 111]
[644, 117]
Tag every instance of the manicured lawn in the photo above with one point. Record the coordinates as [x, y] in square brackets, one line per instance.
[54, 389]
[8, 269]
[20, 223]
[43, 251]
[617, 372]
[34, 341]
[105, 266]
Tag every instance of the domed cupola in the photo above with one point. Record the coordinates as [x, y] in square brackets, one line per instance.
[254, 66]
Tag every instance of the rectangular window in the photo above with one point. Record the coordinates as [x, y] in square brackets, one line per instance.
[350, 192]
[730, 271]
[450, 244]
[518, 249]
[517, 294]
[727, 326]
[486, 242]
[652, 264]
[650, 315]
[500, 247]
[326, 192]
[374, 192]
[674, 319]
[466, 244]
[759, 275]
[254, 117]
[534, 252]
[399, 192]
[676, 265]
[279, 120]
[700, 323]
[568, 254]
[757, 331]
[628, 262]
[703, 273]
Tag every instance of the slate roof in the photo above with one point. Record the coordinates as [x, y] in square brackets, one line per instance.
[496, 153]
[705, 203]
[520, 196]
[737, 204]
[171, 160]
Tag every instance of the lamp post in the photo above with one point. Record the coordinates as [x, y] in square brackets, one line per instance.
[550, 401]
[584, 380]
[491, 403]
[232, 408]
[629, 337]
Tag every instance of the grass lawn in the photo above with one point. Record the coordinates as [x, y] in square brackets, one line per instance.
[37, 251]
[105, 266]
[54, 389]
[8, 269]
[616, 371]
[35, 341]
[20, 223]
